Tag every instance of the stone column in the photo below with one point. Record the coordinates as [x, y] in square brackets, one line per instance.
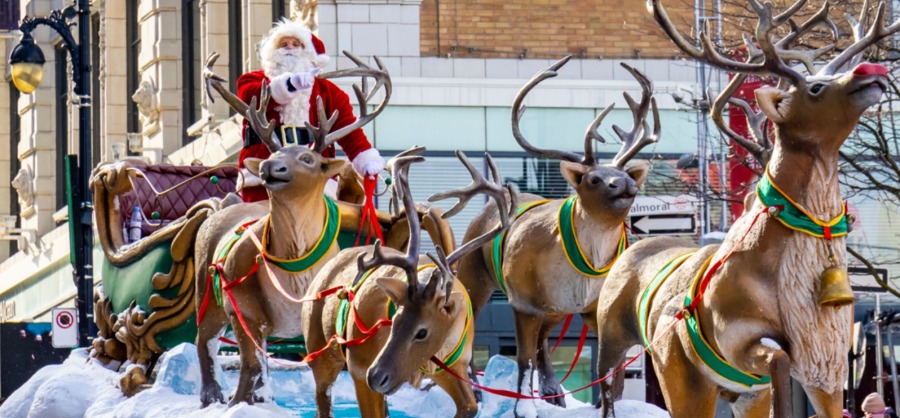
[161, 80]
[113, 77]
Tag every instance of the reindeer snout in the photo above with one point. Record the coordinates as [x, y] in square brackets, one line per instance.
[616, 183]
[378, 380]
[867, 69]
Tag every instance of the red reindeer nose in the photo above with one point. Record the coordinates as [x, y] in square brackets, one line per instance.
[868, 69]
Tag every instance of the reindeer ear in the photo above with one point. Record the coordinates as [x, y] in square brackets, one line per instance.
[774, 103]
[638, 172]
[453, 305]
[572, 172]
[333, 166]
[252, 165]
[395, 288]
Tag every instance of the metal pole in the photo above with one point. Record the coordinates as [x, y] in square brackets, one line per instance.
[85, 243]
[890, 337]
[879, 364]
[703, 167]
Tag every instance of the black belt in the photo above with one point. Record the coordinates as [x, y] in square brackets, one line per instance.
[289, 135]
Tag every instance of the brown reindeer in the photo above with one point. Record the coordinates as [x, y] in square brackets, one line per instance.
[542, 284]
[757, 310]
[297, 225]
[433, 313]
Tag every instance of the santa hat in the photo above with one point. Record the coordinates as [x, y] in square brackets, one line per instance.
[286, 27]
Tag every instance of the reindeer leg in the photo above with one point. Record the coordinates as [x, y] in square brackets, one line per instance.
[825, 404]
[613, 344]
[767, 355]
[326, 369]
[260, 392]
[459, 391]
[251, 367]
[688, 393]
[474, 275]
[528, 329]
[210, 329]
[371, 404]
[548, 380]
[752, 405]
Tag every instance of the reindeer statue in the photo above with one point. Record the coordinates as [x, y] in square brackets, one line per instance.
[431, 316]
[759, 309]
[265, 272]
[556, 253]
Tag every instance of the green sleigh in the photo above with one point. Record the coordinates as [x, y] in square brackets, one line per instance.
[146, 305]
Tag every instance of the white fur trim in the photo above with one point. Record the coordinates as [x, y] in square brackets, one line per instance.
[364, 158]
[322, 60]
[247, 179]
[331, 187]
[280, 89]
[286, 27]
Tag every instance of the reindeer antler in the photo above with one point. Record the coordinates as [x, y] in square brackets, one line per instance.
[639, 136]
[518, 109]
[479, 184]
[410, 261]
[254, 115]
[771, 63]
[322, 135]
[876, 32]
[393, 168]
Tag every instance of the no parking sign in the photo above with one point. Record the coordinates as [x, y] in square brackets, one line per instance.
[65, 327]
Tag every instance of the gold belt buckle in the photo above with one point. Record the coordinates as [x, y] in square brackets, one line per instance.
[288, 135]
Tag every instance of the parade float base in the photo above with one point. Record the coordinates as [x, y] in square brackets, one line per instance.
[79, 388]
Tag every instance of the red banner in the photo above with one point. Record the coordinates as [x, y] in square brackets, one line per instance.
[740, 178]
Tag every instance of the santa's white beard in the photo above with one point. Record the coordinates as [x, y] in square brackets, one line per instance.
[296, 111]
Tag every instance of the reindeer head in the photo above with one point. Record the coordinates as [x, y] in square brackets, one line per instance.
[427, 308]
[606, 190]
[815, 111]
[299, 162]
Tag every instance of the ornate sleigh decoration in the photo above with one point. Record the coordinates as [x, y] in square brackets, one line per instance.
[138, 332]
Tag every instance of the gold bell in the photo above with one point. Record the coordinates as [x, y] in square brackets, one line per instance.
[211, 270]
[835, 290]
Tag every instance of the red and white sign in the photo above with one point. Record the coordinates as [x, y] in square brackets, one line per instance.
[64, 327]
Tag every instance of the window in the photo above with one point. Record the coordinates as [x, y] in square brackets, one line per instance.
[133, 37]
[235, 42]
[190, 70]
[62, 123]
[97, 101]
[277, 10]
[14, 134]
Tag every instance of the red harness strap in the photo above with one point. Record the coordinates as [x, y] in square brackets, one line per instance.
[704, 283]
[367, 332]
[369, 213]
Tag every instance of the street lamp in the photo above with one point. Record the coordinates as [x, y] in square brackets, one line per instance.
[26, 61]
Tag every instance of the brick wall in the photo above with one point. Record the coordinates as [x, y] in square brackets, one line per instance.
[611, 29]
[594, 28]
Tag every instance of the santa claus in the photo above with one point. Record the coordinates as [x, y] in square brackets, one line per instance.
[291, 56]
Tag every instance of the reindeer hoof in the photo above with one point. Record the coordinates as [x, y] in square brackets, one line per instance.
[558, 401]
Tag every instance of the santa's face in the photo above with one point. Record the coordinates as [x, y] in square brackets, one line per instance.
[290, 42]
[292, 56]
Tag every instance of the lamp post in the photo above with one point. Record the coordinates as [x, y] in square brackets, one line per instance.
[26, 61]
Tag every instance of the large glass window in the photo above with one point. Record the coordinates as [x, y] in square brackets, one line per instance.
[235, 44]
[133, 36]
[15, 132]
[62, 123]
[191, 65]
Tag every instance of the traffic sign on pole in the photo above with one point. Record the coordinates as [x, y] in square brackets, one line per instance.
[665, 224]
[861, 279]
[64, 327]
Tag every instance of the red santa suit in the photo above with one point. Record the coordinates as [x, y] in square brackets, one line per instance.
[291, 107]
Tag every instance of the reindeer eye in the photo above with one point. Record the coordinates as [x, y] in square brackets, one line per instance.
[816, 88]
[422, 334]
[306, 159]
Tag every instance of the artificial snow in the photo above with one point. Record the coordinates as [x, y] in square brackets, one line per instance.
[84, 388]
